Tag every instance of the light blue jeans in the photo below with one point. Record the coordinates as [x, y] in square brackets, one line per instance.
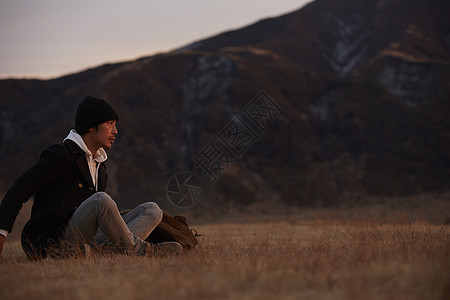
[97, 221]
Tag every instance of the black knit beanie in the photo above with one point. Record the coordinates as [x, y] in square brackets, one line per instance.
[92, 112]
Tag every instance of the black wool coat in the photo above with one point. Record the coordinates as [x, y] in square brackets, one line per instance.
[60, 181]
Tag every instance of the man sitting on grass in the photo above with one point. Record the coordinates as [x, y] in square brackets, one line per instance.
[71, 208]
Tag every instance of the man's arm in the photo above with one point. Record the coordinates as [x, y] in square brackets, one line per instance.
[49, 165]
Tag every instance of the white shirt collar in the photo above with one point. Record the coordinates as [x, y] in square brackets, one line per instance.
[100, 156]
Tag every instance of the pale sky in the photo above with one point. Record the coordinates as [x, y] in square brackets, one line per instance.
[49, 38]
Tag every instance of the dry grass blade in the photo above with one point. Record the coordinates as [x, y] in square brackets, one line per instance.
[359, 260]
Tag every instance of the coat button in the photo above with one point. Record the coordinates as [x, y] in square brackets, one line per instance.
[80, 185]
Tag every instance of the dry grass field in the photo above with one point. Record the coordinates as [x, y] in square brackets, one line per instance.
[302, 257]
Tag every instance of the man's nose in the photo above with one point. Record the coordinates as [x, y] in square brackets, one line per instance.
[115, 131]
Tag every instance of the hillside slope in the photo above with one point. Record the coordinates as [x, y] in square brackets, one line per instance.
[363, 88]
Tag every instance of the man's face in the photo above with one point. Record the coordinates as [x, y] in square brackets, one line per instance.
[105, 134]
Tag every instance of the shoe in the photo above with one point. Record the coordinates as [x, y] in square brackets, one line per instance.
[164, 249]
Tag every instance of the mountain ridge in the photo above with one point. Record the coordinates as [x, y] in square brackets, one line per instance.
[364, 88]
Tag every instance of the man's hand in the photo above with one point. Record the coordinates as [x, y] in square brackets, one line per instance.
[2, 240]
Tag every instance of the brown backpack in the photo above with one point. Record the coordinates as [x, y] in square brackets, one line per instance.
[174, 229]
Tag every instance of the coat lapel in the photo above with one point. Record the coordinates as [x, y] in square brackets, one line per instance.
[81, 162]
[83, 166]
